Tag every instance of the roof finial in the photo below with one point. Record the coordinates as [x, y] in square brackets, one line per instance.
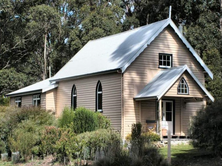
[170, 8]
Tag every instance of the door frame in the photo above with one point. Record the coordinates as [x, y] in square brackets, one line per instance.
[173, 102]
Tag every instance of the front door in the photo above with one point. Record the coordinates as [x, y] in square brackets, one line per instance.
[167, 119]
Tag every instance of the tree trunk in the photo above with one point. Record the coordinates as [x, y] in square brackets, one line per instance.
[45, 59]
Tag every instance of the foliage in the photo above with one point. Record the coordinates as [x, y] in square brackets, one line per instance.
[136, 131]
[66, 145]
[140, 153]
[49, 137]
[84, 120]
[2, 147]
[4, 101]
[15, 120]
[103, 122]
[151, 136]
[105, 140]
[11, 80]
[67, 117]
[206, 128]
[25, 137]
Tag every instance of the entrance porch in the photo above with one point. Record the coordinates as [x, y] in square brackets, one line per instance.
[169, 113]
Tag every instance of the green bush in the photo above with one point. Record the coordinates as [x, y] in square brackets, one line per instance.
[16, 119]
[4, 101]
[67, 117]
[206, 128]
[103, 122]
[84, 120]
[50, 136]
[136, 131]
[2, 147]
[66, 145]
[140, 153]
[150, 136]
[102, 139]
[25, 137]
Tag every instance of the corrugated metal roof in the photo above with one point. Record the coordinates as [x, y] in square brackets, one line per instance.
[118, 51]
[42, 86]
[164, 80]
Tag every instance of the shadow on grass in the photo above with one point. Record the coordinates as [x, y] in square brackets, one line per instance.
[195, 157]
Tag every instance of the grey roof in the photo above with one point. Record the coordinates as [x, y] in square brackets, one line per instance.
[164, 80]
[118, 51]
[40, 87]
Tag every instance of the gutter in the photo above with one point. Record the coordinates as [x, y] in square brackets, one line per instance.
[118, 70]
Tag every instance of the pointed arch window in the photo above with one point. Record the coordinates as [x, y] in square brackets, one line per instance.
[74, 98]
[183, 87]
[99, 97]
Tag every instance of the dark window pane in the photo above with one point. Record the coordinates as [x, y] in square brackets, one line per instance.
[168, 57]
[160, 57]
[19, 104]
[168, 106]
[168, 116]
[160, 63]
[38, 102]
[99, 101]
[164, 63]
[100, 88]
[168, 63]
[74, 103]
[164, 57]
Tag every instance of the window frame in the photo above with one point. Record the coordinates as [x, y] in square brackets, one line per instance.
[185, 87]
[74, 97]
[35, 98]
[171, 61]
[97, 97]
[18, 100]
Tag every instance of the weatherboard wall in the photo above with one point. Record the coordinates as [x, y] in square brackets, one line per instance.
[194, 89]
[86, 95]
[51, 97]
[145, 67]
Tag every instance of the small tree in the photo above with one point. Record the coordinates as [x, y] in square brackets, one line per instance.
[206, 128]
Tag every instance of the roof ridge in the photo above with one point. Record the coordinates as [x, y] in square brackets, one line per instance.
[127, 31]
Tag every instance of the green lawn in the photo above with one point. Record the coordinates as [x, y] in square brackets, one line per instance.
[186, 155]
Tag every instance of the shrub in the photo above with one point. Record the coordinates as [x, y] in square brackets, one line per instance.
[24, 138]
[136, 131]
[50, 136]
[104, 140]
[206, 128]
[103, 122]
[15, 119]
[2, 147]
[66, 145]
[150, 136]
[67, 117]
[84, 120]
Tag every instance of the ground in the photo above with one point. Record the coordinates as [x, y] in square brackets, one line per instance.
[186, 155]
[182, 155]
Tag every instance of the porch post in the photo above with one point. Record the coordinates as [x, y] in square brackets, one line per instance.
[160, 118]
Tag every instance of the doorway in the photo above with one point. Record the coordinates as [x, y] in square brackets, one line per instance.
[167, 115]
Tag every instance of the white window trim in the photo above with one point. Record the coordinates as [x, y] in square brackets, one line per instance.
[74, 97]
[18, 100]
[97, 97]
[165, 54]
[35, 98]
[183, 93]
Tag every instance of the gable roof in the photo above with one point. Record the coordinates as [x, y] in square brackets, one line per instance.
[164, 80]
[118, 51]
[39, 87]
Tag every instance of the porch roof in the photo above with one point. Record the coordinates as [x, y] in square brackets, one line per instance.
[164, 80]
